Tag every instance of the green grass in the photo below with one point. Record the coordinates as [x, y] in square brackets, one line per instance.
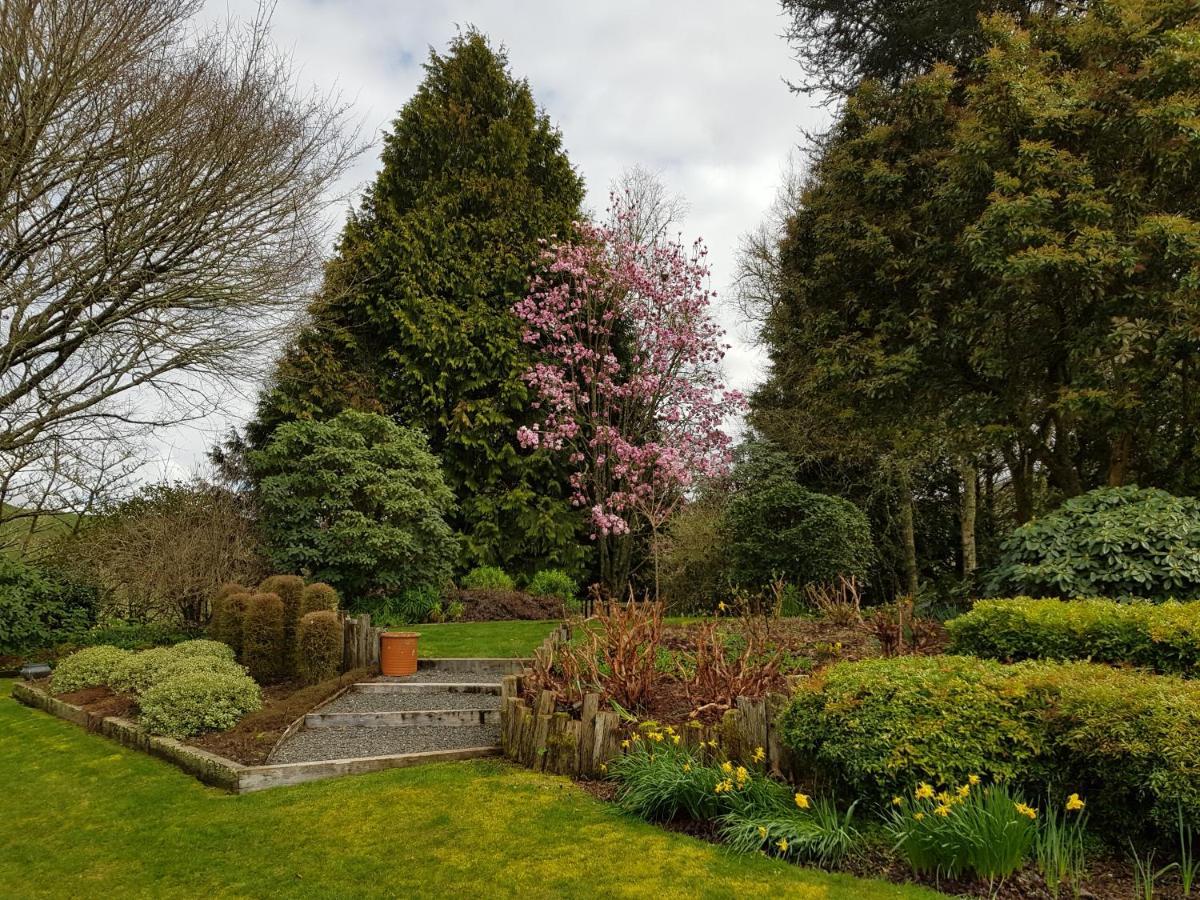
[480, 638]
[84, 817]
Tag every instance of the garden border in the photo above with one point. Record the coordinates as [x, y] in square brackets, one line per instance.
[217, 771]
[545, 740]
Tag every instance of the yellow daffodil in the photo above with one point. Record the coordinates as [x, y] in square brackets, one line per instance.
[973, 779]
[897, 801]
[625, 744]
[603, 767]
[924, 791]
[762, 832]
[943, 810]
[919, 816]
[1026, 810]
[964, 790]
[721, 607]
[656, 736]
[782, 845]
[675, 739]
[687, 767]
[742, 775]
[759, 755]
[802, 801]
[727, 767]
[669, 730]
[943, 798]
[1074, 803]
[636, 736]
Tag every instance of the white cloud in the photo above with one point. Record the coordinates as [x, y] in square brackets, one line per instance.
[694, 90]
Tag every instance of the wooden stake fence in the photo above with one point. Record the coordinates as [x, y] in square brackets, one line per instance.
[547, 740]
[360, 643]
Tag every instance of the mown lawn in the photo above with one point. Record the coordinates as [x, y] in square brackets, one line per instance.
[83, 817]
[479, 638]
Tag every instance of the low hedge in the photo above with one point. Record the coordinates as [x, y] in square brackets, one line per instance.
[202, 647]
[90, 667]
[1164, 637]
[1123, 739]
[194, 702]
[142, 671]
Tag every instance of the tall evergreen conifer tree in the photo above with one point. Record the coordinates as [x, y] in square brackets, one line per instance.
[414, 317]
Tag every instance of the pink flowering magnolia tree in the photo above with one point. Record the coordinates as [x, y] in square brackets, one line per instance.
[629, 381]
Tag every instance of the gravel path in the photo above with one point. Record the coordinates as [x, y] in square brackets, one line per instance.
[350, 743]
[443, 675]
[354, 702]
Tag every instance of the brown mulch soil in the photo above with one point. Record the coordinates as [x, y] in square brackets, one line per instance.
[101, 702]
[491, 606]
[252, 739]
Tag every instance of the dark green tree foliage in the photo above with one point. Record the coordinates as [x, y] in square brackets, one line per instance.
[414, 320]
[840, 43]
[1005, 260]
[357, 501]
[1114, 542]
[39, 607]
[775, 528]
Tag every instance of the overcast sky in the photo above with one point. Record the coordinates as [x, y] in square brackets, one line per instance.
[691, 89]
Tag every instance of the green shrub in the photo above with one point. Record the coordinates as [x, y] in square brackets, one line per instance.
[555, 583]
[39, 608]
[141, 670]
[414, 606]
[1124, 542]
[319, 597]
[228, 622]
[202, 647]
[130, 635]
[289, 589]
[695, 565]
[89, 667]
[1123, 739]
[1164, 637]
[319, 643]
[382, 503]
[191, 703]
[984, 830]
[263, 638]
[487, 578]
[782, 530]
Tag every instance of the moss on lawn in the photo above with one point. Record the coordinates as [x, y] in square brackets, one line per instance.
[84, 817]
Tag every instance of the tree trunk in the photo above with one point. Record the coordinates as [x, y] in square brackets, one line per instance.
[908, 535]
[967, 516]
[1119, 459]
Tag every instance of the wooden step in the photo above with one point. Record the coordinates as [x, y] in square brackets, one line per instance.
[392, 719]
[426, 687]
[500, 665]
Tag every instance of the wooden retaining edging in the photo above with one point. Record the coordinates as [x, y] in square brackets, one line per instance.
[226, 773]
[547, 740]
[360, 643]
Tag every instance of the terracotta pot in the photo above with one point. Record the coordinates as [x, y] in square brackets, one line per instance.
[398, 652]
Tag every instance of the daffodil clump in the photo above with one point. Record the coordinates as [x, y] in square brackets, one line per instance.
[792, 825]
[662, 778]
[972, 828]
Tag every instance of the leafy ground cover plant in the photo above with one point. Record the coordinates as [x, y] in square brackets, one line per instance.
[984, 830]
[89, 667]
[1164, 637]
[194, 702]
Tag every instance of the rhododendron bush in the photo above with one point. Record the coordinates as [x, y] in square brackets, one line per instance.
[628, 379]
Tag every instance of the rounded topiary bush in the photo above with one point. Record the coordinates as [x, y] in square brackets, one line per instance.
[487, 578]
[780, 529]
[290, 590]
[201, 647]
[555, 583]
[90, 667]
[318, 597]
[263, 644]
[229, 619]
[319, 646]
[191, 703]
[1123, 543]
[141, 670]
